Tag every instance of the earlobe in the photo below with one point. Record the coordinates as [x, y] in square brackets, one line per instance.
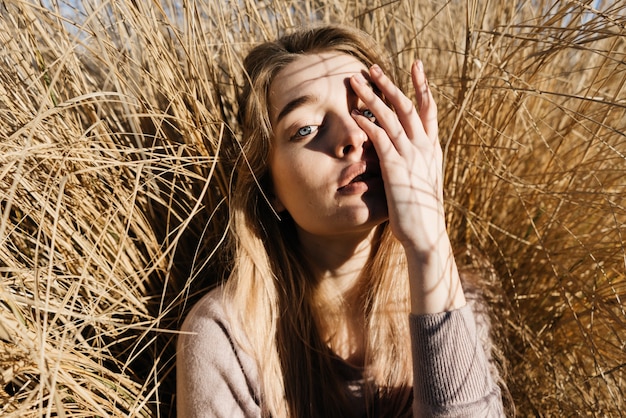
[272, 199]
[277, 204]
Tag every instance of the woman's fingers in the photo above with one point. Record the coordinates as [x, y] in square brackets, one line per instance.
[399, 116]
[425, 102]
[404, 108]
[428, 115]
[408, 151]
[385, 116]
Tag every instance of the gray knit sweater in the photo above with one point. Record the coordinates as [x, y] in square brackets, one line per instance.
[216, 378]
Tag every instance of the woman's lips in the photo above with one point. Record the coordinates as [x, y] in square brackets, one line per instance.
[359, 177]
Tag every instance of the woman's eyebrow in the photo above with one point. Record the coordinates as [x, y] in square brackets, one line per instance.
[294, 104]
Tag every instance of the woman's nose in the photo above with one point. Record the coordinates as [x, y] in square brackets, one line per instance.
[350, 138]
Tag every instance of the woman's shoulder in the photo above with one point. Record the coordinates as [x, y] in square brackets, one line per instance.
[209, 310]
[209, 330]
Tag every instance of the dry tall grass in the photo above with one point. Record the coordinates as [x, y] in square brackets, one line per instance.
[112, 116]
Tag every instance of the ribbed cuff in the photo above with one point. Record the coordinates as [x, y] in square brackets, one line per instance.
[450, 366]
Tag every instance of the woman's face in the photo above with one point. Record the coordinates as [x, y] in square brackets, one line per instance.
[324, 169]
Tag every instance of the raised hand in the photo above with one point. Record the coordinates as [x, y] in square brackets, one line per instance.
[410, 156]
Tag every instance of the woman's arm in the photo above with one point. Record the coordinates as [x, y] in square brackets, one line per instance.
[410, 158]
[452, 375]
[451, 370]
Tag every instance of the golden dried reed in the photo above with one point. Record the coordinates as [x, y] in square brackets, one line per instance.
[112, 116]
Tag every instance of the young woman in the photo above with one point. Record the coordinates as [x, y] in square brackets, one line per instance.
[344, 298]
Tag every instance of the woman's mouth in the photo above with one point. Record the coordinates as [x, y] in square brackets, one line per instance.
[359, 178]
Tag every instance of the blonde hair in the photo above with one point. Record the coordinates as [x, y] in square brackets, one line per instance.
[271, 289]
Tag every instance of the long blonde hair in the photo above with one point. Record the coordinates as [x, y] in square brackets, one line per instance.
[271, 290]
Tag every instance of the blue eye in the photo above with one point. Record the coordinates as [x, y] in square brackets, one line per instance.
[305, 131]
[368, 114]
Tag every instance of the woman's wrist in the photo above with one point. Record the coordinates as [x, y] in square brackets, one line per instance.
[435, 284]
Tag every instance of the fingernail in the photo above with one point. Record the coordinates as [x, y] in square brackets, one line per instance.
[376, 70]
[420, 66]
[358, 77]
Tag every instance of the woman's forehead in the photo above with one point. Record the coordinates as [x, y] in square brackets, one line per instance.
[312, 74]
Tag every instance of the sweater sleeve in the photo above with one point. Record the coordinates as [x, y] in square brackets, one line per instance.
[214, 377]
[451, 368]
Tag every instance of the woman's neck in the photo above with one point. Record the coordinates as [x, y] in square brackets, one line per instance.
[337, 261]
[338, 264]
